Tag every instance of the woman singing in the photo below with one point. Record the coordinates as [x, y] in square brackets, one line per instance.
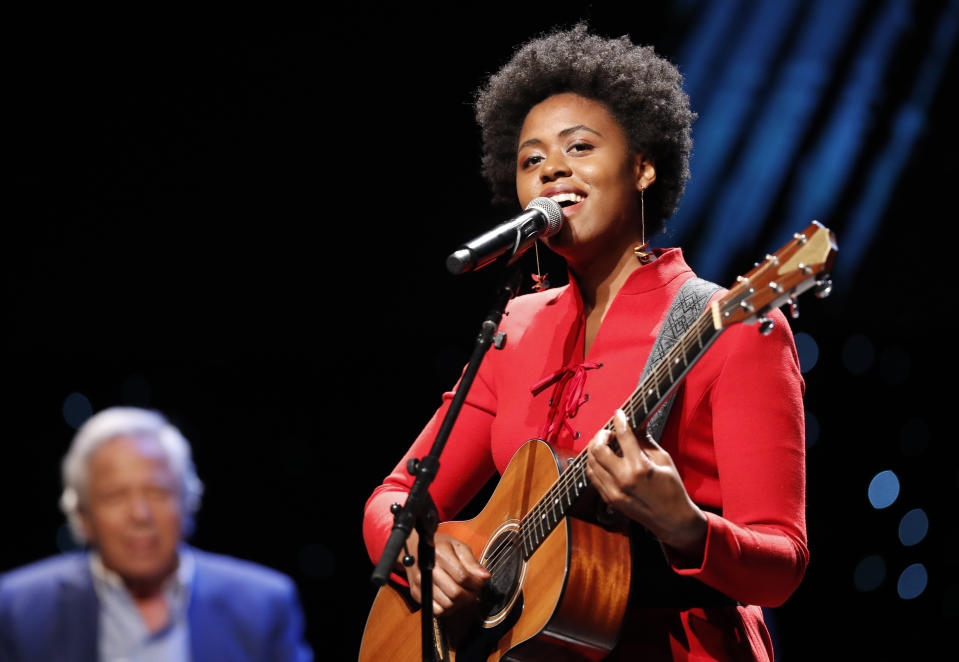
[602, 126]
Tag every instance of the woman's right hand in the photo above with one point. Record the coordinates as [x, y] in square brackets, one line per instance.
[458, 578]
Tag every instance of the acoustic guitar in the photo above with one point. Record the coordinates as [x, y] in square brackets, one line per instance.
[560, 576]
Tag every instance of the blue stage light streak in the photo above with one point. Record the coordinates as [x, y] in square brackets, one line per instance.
[868, 214]
[705, 47]
[826, 169]
[723, 119]
[756, 179]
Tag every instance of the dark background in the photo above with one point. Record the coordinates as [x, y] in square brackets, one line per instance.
[245, 228]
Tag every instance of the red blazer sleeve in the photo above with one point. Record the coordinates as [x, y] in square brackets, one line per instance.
[466, 465]
[756, 551]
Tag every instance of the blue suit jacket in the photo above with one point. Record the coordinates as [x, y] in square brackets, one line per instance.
[239, 612]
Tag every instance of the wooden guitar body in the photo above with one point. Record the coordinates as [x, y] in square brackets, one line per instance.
[572, 592]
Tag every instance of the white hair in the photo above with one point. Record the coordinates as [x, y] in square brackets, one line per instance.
[127, 422]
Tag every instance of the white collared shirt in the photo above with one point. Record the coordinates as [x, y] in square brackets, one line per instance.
[123, 636]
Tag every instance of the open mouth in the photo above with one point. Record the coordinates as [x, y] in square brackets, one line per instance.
[567, 199]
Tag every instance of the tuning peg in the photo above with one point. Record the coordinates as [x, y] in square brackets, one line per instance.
[766, 325]
[823, 288]
[793, 308]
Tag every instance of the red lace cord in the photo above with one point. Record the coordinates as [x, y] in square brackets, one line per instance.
[561, 410]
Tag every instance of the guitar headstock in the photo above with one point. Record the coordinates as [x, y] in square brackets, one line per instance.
[804, 262]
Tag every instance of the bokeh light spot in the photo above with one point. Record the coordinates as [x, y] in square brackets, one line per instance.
[912, 581]
[858, 354]
[870, 573]
[76, 410]
[808, 351]
[883, 489]
[913, 527]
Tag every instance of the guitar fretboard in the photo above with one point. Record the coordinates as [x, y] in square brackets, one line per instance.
[649, 395]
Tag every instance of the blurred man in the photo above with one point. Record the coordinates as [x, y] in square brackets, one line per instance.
[139, 593]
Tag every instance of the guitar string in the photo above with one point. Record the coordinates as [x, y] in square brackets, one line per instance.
[528, 523]
[501, 555]
[507, 544]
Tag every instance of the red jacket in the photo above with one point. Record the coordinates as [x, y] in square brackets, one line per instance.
[735, 433]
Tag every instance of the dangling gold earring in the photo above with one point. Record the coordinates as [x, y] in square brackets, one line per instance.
[644, 255]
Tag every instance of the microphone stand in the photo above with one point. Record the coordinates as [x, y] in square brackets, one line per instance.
[419, 512]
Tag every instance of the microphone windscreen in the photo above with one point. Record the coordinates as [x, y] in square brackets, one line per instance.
[553, 212]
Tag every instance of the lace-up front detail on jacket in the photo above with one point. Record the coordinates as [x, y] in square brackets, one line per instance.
[566, 399]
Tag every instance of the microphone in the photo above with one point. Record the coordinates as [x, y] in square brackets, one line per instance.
[543, 218]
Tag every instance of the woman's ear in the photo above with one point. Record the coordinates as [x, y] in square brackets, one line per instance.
[644, 171]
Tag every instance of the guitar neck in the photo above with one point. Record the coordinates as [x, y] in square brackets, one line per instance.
[653, 390]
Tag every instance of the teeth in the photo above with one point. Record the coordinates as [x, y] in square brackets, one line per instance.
[571, 198]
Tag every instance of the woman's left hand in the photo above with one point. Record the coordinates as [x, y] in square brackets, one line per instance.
[642, 483]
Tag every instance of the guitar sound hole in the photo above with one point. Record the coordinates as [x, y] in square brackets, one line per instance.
[505, 564]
